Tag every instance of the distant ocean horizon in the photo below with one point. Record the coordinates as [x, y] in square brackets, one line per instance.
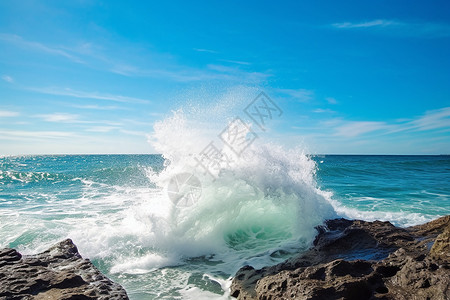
[309, 154]
[261, 211]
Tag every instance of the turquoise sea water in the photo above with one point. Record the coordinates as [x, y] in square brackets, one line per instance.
[116, 209]
[405, 190]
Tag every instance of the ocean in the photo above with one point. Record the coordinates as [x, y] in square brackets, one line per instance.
[128, 215]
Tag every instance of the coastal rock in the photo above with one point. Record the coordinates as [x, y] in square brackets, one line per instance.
[358, 260]
[441, 247]
[58, 273]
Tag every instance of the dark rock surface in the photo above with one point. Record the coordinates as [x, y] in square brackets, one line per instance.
[58, 273]
[359, 260]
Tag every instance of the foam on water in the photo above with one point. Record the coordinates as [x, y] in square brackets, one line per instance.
[261, 206]
[400, 218]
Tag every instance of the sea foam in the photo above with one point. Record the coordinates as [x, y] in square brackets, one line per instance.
[263, 201]
[257, 209]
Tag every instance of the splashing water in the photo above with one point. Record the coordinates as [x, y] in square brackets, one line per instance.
[260, 208]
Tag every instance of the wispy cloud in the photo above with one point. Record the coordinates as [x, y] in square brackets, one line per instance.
[321, 111]
[98, 107]
[133, 132]
[106, 129]
[438, 119]
[136, 122]
[182, 73]
[155, 114]
[353, 129]
[102, 129]
[8, 113]
[238, 62]
[392, 27]
[88, 95]
[127, 70]
[233, 74]
[331, 100]
[302, 95]
[20, 134]
[76, 119]
[8, 78]
[31, 45]
[368, 24]
[155, 65]
[434, 119]
[60, 118]
[162, 66]
[205, 50]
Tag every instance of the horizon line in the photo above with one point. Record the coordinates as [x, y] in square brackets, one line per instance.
[309, 154]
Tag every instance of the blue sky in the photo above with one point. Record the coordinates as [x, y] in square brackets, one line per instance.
[350, 76]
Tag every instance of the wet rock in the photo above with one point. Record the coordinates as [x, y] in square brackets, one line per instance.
[358, 260]
[58, 273]
[441, 246]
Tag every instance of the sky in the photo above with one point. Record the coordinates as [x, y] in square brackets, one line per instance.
[350, 77]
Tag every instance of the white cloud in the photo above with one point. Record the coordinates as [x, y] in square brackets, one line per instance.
[98, 107]
[127, 70]
[20, 134]
[434, 119]
[431, 120]
[302, 95]
[101, 129]
[182, 73]
[353, 129]
[60, 118]
[232, 73]
[8, 78]
[156, 114]
[205, 50]
[89, 95]
[136, 133]
[136, 122]
[374, 23]
[331, 100]
[21, 42]
[321, 110]
[236, 62]
[8, 113]
[391, 27]
[156, 65]
[75, 119]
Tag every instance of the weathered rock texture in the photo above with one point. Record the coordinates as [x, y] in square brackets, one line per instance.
[58, 273]
[359, 260]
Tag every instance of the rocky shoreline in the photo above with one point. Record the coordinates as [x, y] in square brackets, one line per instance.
[350, 259]
[56, 274]
[359, 260]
